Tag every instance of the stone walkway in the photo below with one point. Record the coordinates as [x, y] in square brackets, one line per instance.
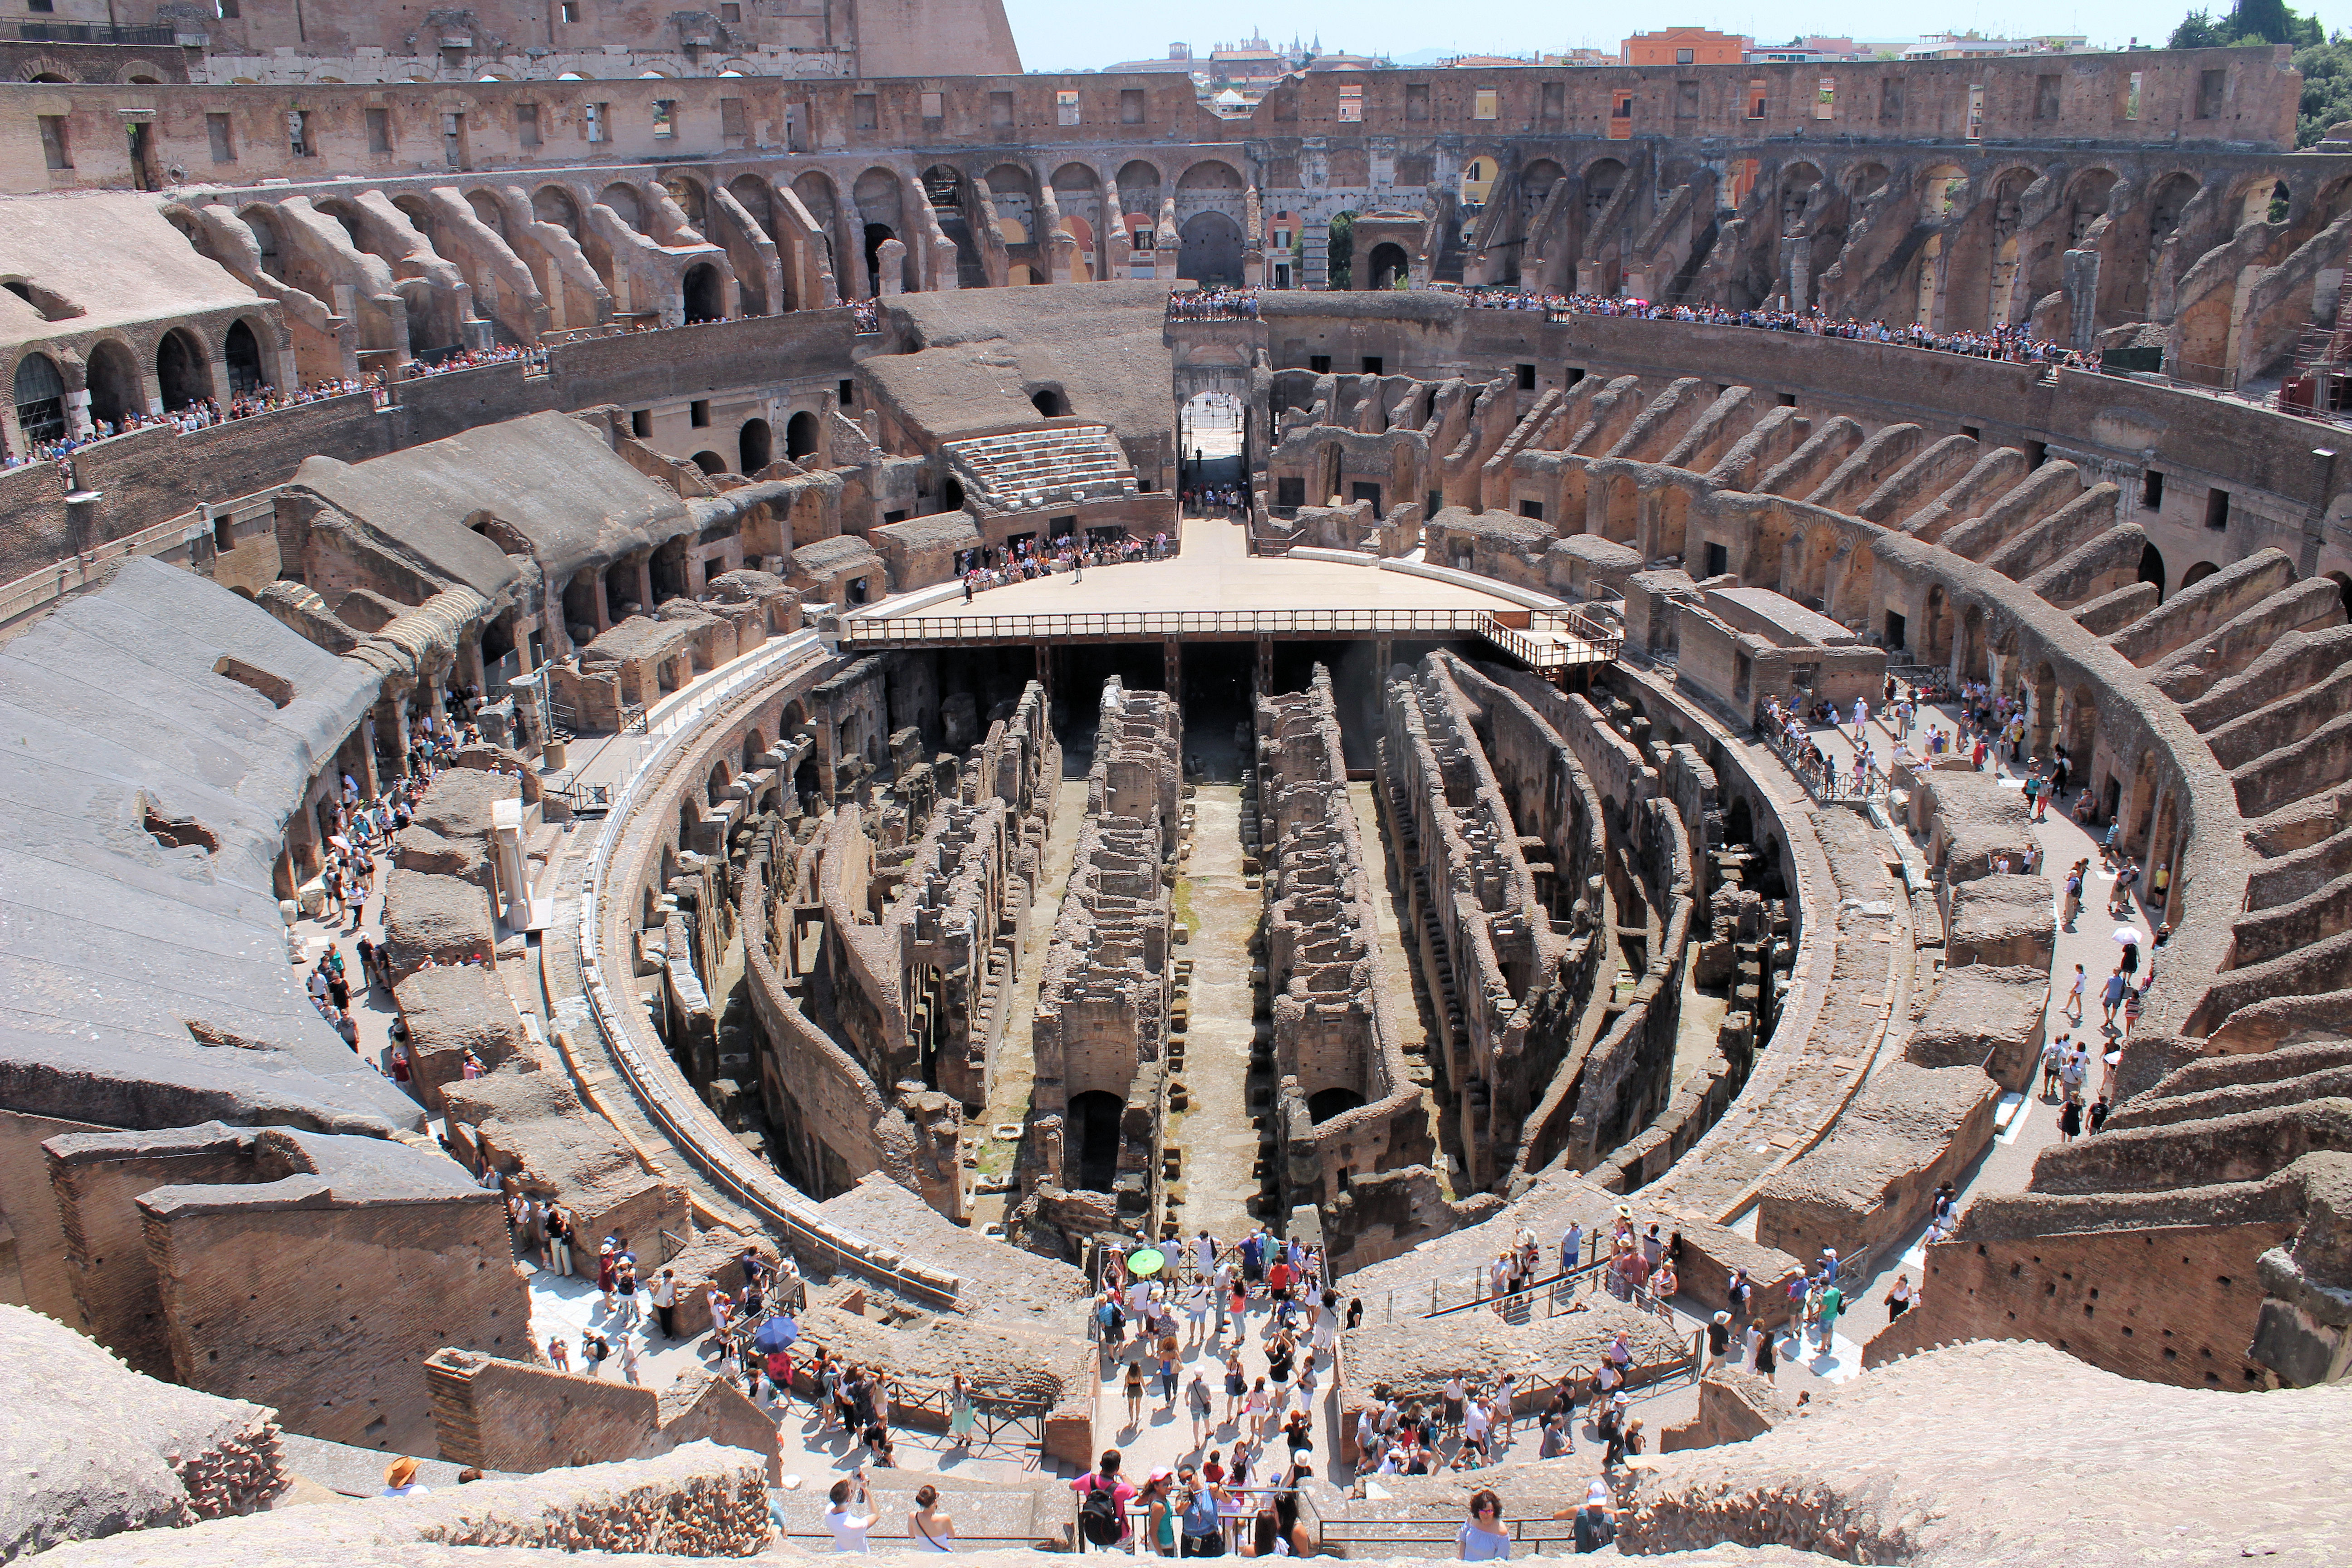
[1216, 1132]
[2008, 1166]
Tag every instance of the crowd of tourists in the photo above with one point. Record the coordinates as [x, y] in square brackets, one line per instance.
[867, 314]
[199, 415]
[2014, 343]
[1213, 305]
[468, 359]
[1209, 501]
[995, 568]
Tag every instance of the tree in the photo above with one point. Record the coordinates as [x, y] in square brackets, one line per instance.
[2198, 30]
[1340, 252]
[2327, 89]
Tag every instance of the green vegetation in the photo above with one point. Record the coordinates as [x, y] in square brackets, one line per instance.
[1341, 251]
[2326, 63]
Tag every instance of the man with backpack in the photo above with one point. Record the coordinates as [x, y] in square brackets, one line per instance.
[1102, 1505]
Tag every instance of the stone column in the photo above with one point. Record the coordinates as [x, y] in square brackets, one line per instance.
[2080, 278]
[646, 581]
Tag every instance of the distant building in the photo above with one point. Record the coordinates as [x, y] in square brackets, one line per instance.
[1683, 47]
[1815, 50]
[1179, 62]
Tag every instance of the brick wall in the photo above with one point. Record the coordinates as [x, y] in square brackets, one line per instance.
[2174, 1305]
[326, 1310]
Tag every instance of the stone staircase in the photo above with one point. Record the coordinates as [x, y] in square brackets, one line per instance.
[1070, 463]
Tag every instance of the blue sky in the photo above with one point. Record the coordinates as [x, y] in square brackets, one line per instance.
[1082, 35]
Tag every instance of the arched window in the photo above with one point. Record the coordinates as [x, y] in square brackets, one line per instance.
[40, 398]
[181, 368]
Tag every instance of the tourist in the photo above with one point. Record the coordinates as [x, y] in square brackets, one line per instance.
[607, 1272]
[2099, 1111]
[629, 1358]
[2070, 1120]
[559, 1354]
[400, 1479]
[1740, 1291]
[2119, 902]
[845, 1516]
[1898, 1299]
[1197, 1400]
[1168, 1353]
[1571, 1247]
[1594, 1528]
[2073, 1008]
[1832, 1302]
[664, 1297]
[1236, 1385]
[1102, 1504]
[2111, 995]
[1625, 1441]
[1134, 1386]
[1481, 1537]
[593, 1350]
[1200, 1510]
[929, 1523]
[624, 1283]
[1719, 1339]
[1159, 1513]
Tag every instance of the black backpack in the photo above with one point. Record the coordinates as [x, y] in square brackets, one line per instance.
[1098, 1513]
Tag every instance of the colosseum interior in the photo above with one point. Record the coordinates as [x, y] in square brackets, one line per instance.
[531, 693]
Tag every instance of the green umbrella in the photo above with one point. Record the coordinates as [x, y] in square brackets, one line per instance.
[1143, 1265]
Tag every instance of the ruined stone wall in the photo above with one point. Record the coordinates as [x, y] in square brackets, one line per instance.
[331, 1304]
[511, 1416]
[1346, 1102]
[1101, 1025]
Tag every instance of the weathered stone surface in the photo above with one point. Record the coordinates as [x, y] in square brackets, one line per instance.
[2005, 921]
[90, 1447]
[1937, 1461]
[1984, 1015]
[442, 918]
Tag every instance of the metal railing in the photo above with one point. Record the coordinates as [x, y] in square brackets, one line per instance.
[1584, 641]
[1830, 784]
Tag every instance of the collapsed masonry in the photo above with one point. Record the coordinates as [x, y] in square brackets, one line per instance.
[1346, 1103]
[1553, 915]
[1101, 1030]
[880, 947]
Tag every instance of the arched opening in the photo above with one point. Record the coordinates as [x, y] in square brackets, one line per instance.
[554, 204]
[1326, 1103]
[1389, 266]
[876, 234]
[710, 462]
[951, 494]
[242, 353]
[40, 398]
[689, 815]
[1620, 510]
[702, 297]
[627, 204]
[714, 787]
[1212, 248]
[1477, 183]
[2045, 710]
[754, 748]
[753, 443]
[800, 436]
[2198, 574]
[2151, 569]
[181, 369]
[1049, 401]
[2343, 590]
[1093, 1139]
[1739, 821]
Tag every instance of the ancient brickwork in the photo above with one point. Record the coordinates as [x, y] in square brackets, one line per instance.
[1101, 1028]
[499, 1414]
[1346, 1103]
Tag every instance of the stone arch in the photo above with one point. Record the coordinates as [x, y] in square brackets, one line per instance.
[139, 73]
[818, 193]
[489, 211]
[1387, 263]
[710, 462]
[753, 444]
[2343, 590]
[117, 389]
[555, 204]
[716, 785]
[47, 71]
[1864, 180]
[1212, 248]
[2082, 731]
[1972, 661]
[2087, 195]
[183, 369]
[2198, 574]
[1941, 188]
[1672, 523]
[39, 395]
[626, 204]
[691, 196]
[880, 203]
[801, 436]
[1601, 177]
[702, 295]
[2151, 568]
[2168, 199]
[757, 198]
[1621, 508]
[248, 370]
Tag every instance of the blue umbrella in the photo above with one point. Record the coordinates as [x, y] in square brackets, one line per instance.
[777, 1334]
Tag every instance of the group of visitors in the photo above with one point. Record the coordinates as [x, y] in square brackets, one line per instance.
[867, 313]
[470, 358]
[201, 414]
[1213, 501]
[1222, 304]
[2014, 343]
[1025, 562]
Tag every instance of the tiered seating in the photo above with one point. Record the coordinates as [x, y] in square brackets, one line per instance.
[1078, 462]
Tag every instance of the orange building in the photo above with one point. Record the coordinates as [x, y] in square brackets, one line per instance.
[1683, 47]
